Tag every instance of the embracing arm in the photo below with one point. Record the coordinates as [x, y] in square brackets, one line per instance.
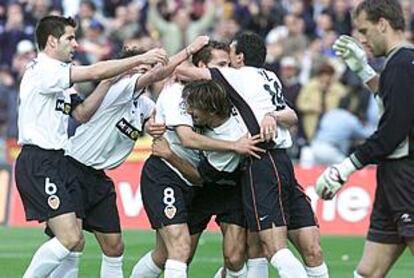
[160, 72]
[161, 148]
[107, 69]
[85, 110]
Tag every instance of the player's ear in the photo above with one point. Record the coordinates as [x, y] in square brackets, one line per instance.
[52, 41]
[201, 64]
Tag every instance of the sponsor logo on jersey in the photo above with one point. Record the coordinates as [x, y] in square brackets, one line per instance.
[126, 128]
[63, 106]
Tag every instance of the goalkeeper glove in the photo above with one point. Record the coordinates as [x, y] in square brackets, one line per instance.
[354, 56]
[332, 179]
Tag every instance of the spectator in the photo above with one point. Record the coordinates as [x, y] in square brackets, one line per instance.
[95, 45]
[337, 132]
[181, 29]
[320, 95]
[14, 31]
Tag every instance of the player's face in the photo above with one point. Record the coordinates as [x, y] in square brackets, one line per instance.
[219, 59]
[236, 60]
[200, 117]
[67, 45]
[369, 35]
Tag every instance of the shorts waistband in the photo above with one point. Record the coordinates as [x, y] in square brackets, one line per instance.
[37, 148]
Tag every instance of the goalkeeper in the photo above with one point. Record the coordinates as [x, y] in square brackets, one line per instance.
[381, 26]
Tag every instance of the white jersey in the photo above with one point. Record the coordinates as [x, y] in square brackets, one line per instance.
[106, 140]
[262, 91]
[171, 110]
[230, 130]
[45, 103]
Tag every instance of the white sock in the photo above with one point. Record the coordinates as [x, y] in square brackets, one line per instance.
[146, 268]
[46, 259]
[175, 269]
[257, 268]
[356, 275]
[287, 264]
[317, 271]
[111, 267]
[219, 273]
[69, 266]
[242, 273]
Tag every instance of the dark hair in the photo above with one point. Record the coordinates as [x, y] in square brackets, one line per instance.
[51, 25]
[130, 51]
[253, 48]
[388, 9]
[325, 68]
[208, 96]
[204, 54]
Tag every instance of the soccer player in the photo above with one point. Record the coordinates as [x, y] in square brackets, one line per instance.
[273, 200]
[166, 192]
[45, 106]
[104, 142]
[380, 24]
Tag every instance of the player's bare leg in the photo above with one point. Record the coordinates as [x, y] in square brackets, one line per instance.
[48, 257]
[257, 265]
[274, 243]
[234, 249]
[113, 249]
[69, 266]
[307, 242]
[178, 243]
[377, 259]
[151, 265]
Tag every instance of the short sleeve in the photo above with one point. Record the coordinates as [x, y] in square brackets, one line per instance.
[55, 77]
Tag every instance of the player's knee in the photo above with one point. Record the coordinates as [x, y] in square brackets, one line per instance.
[72, 239]
[312, 254]
[113, 248]
[234, 260]
[366, 271]
[180, 250]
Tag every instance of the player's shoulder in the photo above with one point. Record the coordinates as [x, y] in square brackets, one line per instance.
[402, 58]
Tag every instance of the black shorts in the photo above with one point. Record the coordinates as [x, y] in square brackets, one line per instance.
[45, 193]
[166, 197]
[211, 199]
[98, 197]
[271, 194]
[392, 217]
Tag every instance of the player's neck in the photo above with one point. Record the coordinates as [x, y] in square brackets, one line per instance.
[216, 122]
[50, 53]
[395, 40]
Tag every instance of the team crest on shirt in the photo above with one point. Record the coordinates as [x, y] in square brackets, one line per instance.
[63, 106]
[170, 211]
[54, 202]
[129, 130]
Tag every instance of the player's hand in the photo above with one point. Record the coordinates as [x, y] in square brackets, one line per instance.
[246, 145]
[354, 56]
[329, 183]
[154, 56]
[155, 130]
[161, 148]
[333, 178]
[268, 128]
[197, 44]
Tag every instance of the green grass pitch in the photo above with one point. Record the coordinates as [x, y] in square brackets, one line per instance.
[17, 247]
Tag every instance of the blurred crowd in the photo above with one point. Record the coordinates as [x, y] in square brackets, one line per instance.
[335, 110]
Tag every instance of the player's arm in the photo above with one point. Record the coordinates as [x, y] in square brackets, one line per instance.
[85, 110]
[161, 148]
[108, 69]
[243, 146]
[286, 117]
[160, 72]
[394, 127]
[356, 59]
[188, 72]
